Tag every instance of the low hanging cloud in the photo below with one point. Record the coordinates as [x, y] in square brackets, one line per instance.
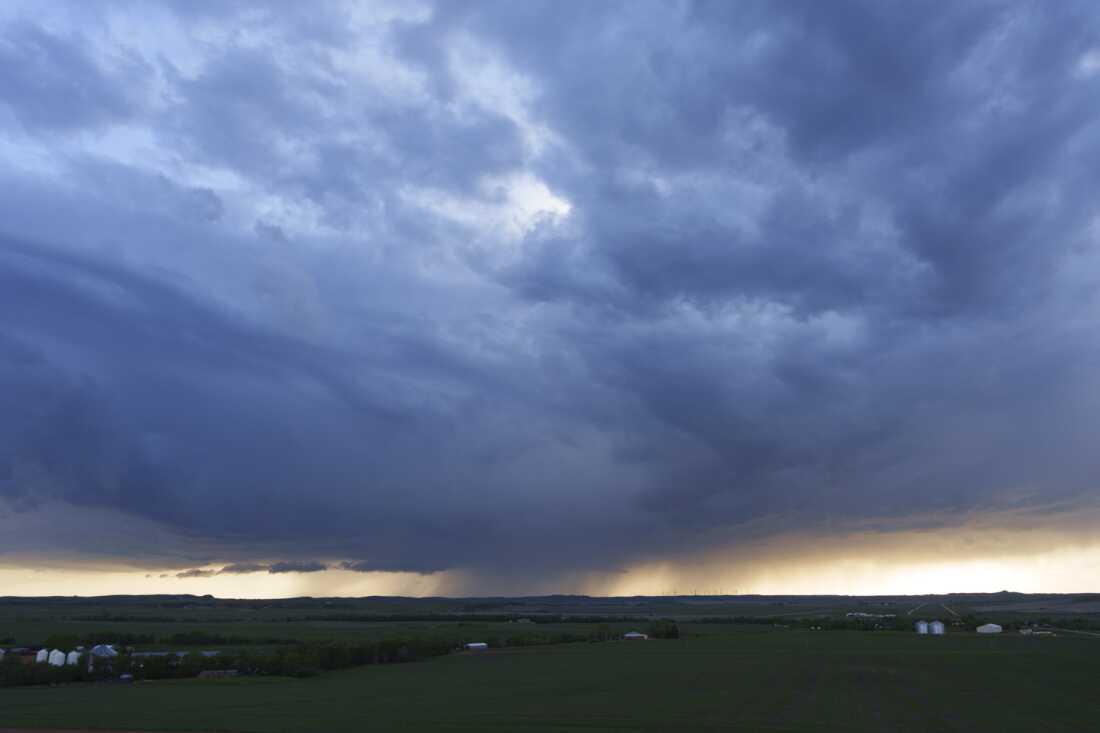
[196, 573]
[243, 568]
[297, 566]
[248, 568]
[482, 287]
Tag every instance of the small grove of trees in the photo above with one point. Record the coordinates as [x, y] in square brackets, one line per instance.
[664, 628]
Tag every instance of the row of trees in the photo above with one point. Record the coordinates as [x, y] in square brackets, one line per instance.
[902, 622]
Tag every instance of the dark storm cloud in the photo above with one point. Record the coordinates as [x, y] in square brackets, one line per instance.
[822, 263]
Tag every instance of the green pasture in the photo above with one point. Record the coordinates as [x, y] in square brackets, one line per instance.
[727, 679]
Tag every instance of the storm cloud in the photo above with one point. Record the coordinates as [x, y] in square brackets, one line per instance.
[501, 286]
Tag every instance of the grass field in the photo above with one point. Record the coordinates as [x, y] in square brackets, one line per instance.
[730, 679]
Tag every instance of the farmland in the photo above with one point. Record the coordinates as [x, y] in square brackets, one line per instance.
[720, 676]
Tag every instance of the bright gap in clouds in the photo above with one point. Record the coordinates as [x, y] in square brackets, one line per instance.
[507, 207]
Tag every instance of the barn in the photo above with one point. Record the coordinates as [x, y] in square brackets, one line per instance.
[989, 629]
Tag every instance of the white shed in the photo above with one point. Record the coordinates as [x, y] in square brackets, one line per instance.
[922, 627]
[989, 629]
[635, 636]
[57, 658]
[477, 646]
[73, 658]
[42, 656]
[936, 628]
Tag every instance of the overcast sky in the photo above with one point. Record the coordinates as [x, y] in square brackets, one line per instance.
[489, 292]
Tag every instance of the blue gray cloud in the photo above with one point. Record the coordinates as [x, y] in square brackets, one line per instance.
[491, 286]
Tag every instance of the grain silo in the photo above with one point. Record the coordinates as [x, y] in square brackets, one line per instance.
[42, 656]
[57, 658]
[73, 658]
[936, 628]
[922, 627]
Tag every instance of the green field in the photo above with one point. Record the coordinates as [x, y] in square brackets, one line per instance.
[728, 679]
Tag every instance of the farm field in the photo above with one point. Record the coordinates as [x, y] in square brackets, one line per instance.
[725, 679]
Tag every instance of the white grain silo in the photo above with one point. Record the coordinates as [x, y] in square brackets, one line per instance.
[922, 627]
[989, 629]
[73, 658]
[57, 658]
[936, 628]
[42, 656]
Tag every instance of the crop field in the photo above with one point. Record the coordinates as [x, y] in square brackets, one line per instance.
[767, 680]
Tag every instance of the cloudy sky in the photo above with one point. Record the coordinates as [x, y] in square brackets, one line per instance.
[520, 297]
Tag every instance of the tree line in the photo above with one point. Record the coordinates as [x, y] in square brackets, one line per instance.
[292, 658]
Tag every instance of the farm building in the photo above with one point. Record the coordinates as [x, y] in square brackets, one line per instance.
[43, 655]
[73, 657]
[936, 628]
[1, 655]
[635, 636]
[922, 627]
[989, 629]
[57, 658]
[104, 650]
[477, 645]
